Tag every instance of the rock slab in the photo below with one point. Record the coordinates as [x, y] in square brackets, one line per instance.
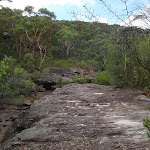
[81, 117]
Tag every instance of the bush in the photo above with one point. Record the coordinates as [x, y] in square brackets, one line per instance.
[29, 62]
[65, 64]
[116, 75]
[101, 78]
[66, 82]
[71, 61]
[140, 77]
[146, 124]
[20, 83]
[81, 79]
[17, 101]
[35, 75]
[60, 83]
[45, 72]
[6, 69]
[95, 65]
[13, 79]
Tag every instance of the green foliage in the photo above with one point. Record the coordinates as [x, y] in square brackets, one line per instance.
[66, 82]
[45, 72]
[93, 64]
[29, 62]
[45, 12]
[139, 77]
[13, 79]
[29, 9]
[143, 52]
[17, 101]
[81, 78]
[115, 67]
[6, 70]
[101, 78]
[68, 40]
[72, 61]
[35, 75]
[146, 124]
[35, 39]
[60, 83]
[20, 100]
[65, 64]
[82, 64]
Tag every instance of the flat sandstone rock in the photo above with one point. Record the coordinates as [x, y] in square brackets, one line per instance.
[81, 117]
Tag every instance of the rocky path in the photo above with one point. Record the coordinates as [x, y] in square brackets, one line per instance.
[82, 117]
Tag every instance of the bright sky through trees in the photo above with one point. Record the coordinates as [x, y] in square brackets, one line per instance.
[63, 8]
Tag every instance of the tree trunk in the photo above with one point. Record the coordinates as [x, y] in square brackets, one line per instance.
[125, 64]
[42, 55]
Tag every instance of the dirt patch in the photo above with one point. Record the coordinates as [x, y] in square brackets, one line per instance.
[82, 117]
[148, 94]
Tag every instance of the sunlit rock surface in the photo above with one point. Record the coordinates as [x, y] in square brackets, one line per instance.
[82, 117]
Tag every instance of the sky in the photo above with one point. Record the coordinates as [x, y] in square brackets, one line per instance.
[65, 9]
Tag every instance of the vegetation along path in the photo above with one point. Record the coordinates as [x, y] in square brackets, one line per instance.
[82, 117]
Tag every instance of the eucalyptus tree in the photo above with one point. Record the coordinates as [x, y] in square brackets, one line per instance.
[29, 10]
[39, 30]
[134, 45]
[5, 19]
[46, 13]
[69, 40]
[6, 22]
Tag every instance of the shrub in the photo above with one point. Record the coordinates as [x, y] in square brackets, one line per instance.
[83, 64]
[57, 64]
[81, 78]
[146, 124]
[140, 78]
[60, 83]
[20, 83]
[13, 79]
[101, 78]
[6, 70]
[17, 101]
[45, 72]
[66, 82]
[71, 61]
[35, 75]
[29, 62]
[116, 75]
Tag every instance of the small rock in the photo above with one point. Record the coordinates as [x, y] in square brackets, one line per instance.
[143, 98]
[104, 140]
